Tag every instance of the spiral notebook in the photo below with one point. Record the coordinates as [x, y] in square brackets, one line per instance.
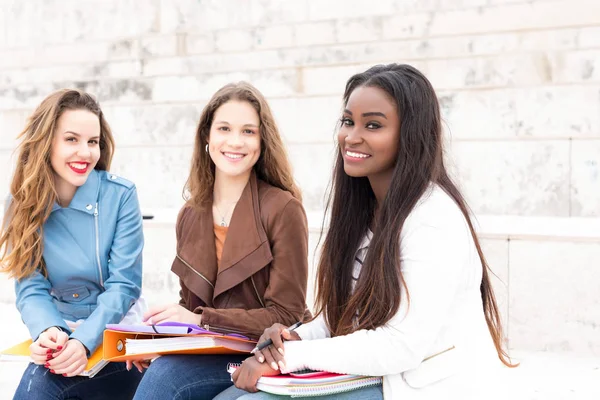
[311, 383]
[20, 352]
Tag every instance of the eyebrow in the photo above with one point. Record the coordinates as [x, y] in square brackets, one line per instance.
[369, 114]
[227, 123]
[78, 135]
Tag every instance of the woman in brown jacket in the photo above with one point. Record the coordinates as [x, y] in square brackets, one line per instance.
[242, 242]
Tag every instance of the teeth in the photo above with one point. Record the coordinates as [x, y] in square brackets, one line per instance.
[78, 165]
[356, 155]
[229, 155]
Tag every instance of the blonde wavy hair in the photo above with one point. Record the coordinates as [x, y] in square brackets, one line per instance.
[273, 165]
[32, 188]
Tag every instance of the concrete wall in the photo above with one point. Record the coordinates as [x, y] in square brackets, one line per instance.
[519, 83]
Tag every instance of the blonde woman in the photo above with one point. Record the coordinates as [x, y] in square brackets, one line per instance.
[72, 239]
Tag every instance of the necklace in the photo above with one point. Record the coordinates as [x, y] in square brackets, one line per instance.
[221, 214]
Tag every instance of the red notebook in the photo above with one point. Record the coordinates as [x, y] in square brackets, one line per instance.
[311, 383]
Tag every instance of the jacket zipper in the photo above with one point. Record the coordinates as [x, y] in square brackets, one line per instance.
[98, 245]
[219, 329]
[256, 291]
[197, 273]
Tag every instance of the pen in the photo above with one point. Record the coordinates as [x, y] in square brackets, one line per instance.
[269, 342]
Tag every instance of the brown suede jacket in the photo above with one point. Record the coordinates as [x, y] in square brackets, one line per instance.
[264, 265]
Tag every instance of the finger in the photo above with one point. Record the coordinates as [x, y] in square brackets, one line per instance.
[138, 365]
[260, 357]
[142, 365]
[277, 341]
[61, 367]
[78, 370]
[276, 355]
[36, 350]
[61, 339]
[155, 310]
[288, 336]
[70, 365]
[269, 359]
[167, 315]
[64, 356]
[46, 340]
[72, 370]
[235, 375]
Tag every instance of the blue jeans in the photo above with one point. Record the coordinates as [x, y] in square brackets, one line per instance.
[179, 377]
[112, 382]
[368, 393]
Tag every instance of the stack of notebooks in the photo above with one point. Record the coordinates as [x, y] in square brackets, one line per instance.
[311, 383]
[20, 352]
[142, 342]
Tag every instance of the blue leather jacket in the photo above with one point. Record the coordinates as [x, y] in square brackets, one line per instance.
[93, 256]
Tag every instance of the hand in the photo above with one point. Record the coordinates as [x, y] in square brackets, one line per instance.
[246, 376]
[71, 361]
[273, 355]
[139, 364]
[49, 342]
[171, 312]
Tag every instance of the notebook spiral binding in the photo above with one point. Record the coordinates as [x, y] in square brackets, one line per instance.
[310, 391]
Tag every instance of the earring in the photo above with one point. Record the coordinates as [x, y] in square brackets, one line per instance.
[206, 148]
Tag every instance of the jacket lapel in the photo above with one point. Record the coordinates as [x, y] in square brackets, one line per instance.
[246, 249]
[196, 262]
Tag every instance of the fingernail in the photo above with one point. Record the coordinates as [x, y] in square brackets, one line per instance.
[274, 366]
[49, 357]
[52, 371]
[49, 351]
[261, 360]
[280, 350]
[46, 365]
[59, 347]
[65, 375]
[281, 364]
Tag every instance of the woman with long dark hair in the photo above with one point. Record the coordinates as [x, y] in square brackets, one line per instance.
[403, 288]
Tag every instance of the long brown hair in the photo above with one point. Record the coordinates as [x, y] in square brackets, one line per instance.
[352, 203]
[273, 165]
[32, 189]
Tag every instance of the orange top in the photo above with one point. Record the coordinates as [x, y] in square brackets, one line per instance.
[220, 235]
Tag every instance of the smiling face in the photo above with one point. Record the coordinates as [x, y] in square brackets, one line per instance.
[75, 151]
[369, 134]
[234, 140]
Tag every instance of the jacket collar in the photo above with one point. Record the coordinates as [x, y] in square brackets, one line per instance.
[86, 196]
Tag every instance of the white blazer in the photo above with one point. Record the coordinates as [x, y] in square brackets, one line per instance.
[438, 348]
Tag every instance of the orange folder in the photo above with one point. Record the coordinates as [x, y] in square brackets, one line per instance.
[115, 345]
